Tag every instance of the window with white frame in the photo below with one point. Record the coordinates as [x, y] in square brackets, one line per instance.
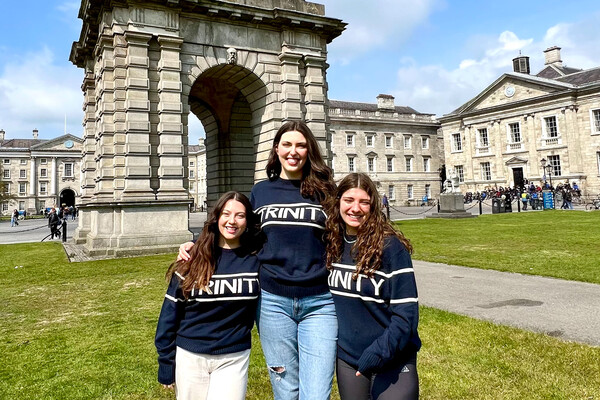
[456, 142]
[595, 117]
[514, 132]
[428, 190]
[408, 162]
[21, 205]
[459, 170]
[486, 171]
[68, 170]
[370, 140]
[482, 137]
[424, 142]
[409, 191]
[191, 163]
[371, 164]
[554, 161]
[22, 188]
[407, 142]
[389, 141]
[7, 187]
[6, 174]
[391, 192]
[6, 161]
[350, 140]
[22, 174]
[4, 206]
[191, 186]
[43, 173]
[390, 164]
[43, 187]
[191, 174]
[426, 164]
[23, 161]
[43, 161]
[550, 127]
[351, 166]
[41, 204]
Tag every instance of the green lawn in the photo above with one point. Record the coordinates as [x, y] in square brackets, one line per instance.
[85, 331]
[560, 244]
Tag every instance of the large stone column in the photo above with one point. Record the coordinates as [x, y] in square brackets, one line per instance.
[32, 179]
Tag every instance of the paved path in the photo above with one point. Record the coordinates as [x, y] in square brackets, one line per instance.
[30, 230]
[565, 309]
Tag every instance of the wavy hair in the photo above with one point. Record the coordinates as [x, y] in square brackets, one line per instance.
[199, 269]
[371, 234]
[317, 177]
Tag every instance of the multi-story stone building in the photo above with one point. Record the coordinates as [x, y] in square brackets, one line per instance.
[522, 122]
[197, 175]
[40, 173]
[398, 147]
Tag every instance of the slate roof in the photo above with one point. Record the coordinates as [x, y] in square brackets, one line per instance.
[350, 105]
[553, 71]
[21, 143]
[581, 78]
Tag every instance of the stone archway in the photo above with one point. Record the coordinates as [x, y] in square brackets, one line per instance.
[67, 198]
[219, 98]
[242, 67]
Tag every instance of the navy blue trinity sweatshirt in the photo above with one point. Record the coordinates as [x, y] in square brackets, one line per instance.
[214, 321]
[378, 316]
[292, 259]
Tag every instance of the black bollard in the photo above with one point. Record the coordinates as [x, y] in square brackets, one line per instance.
[388, 212]
[64, 231]
[480, 208]
[518, 205]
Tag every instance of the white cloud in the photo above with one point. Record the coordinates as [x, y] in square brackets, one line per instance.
[380, 24]
[439, 90]
[37, 93]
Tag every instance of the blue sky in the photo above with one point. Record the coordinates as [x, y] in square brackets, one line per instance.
[432, 55]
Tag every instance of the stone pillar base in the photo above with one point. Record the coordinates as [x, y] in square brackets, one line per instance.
[452, 206]
[124, 229]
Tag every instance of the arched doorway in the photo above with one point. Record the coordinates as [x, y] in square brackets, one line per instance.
[67, 198]
[229, 100]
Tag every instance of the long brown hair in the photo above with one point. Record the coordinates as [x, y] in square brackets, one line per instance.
[317, 177]
[370, 238]
[199, 269]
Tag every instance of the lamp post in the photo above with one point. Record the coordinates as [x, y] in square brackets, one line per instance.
[547, 171]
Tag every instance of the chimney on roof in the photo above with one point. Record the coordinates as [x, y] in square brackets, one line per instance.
[385, 102]
[552, 55]
[35, 133]
[2, 133]
[521, 64]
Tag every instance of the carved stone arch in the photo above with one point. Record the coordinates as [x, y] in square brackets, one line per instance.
[229, 100]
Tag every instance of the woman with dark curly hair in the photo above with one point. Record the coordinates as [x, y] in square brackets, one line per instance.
[373, 286]
[203, 333]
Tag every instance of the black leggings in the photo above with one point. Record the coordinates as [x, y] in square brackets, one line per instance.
[391, 384]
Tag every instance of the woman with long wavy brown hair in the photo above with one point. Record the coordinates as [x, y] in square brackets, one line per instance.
[373, 286]
[203, 332]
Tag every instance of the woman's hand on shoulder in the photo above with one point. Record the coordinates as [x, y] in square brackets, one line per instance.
[183, 251]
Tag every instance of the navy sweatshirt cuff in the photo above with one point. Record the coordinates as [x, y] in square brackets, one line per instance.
[166, 374]
[369, 363]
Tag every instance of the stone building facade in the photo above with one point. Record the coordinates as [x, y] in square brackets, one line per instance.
[197, 176]
[40, 173]
[500, 137]
[398, 147]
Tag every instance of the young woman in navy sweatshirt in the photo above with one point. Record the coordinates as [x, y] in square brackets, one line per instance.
[297, 322]
[203, 333]
[373, 285]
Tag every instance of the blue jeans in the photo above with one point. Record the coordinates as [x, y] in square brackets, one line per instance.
[299, 341]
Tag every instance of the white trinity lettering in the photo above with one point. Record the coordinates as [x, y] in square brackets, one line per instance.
[231, 286]
[283, 213]
[343, 279]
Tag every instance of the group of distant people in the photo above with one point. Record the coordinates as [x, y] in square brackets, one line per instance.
[318, 267]
[563, 194]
